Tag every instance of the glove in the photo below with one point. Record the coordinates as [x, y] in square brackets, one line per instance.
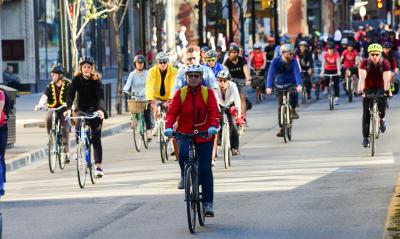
[37, 107]
[212, 131]
[233, 111]
[168, 132]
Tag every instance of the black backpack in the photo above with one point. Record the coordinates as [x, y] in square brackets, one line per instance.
[8, 105]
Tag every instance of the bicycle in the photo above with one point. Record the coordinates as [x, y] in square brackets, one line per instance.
[84, 152]
[374, 124]
[257, 83]
[225, 138]
[193, 193]
[160, 132]
[331, 96]
[349, 84]
[136, 108]
[304, 92]
[285, 113]
[55, 145]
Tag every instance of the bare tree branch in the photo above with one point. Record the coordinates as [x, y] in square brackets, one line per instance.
[123, 15]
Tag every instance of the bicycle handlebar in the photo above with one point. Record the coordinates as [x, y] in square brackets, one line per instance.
[52, 109]
[201, 134]
[95, 114]
[331, 75]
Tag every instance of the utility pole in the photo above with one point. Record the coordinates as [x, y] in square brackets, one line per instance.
[276, 20]
[253, 20]
[201, 37]
[64, 35]
[230, 21]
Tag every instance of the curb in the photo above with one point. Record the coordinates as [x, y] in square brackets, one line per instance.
[392, 224]
[32, 156]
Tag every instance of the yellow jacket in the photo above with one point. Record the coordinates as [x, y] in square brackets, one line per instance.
[153, 83]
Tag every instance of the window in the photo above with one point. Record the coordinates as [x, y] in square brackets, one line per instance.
[13, 50]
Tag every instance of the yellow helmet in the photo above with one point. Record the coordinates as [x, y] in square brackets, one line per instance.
[375, 47]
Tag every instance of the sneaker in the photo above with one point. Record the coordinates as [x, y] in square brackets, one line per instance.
[365, 142]
[99, 172]
[309, 97]
[383, 126]
[67, 159]
[213, 163]
[208, 209]
[180, 184]
[149, 135]
[294, 114]
[235, 152]
[280, 133]
[336, 100]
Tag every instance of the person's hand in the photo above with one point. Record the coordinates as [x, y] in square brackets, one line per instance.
[101, 114]
[212, 131]
[168, 132]
[309, 71]
[268, 91]
[299, 88]
[67, 113]
[37, 107]
[322, 73]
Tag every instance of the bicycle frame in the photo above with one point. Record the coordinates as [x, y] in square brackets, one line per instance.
[331, 97]
[374, 120]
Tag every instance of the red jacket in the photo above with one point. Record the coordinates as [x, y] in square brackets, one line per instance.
[193, 113]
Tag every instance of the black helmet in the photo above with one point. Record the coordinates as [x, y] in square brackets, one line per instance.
[388, 45]
[86, 59]
[233, 47]
[139, 58]
[58, 68]
[351, 43]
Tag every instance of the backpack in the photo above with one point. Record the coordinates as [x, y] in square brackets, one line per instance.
[8, 105]
[204, 94]
[178, 40]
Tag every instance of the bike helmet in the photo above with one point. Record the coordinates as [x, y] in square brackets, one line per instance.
[86, 59]
[58, 68]
[331, 45]
[303, 43]
[205, 49]
[162, 56]
[344, 41]
[211, 54]
[375, 47]
[233, 47]
[224, 74]
[387, 45]
[193, 69]
[351, 43]
[139, 58]
[286, 48]
[257, 45]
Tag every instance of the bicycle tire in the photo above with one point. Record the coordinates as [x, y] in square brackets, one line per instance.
[372, 135]
[137, 138]
[284, 122]
[289, 127]
[304, 97]
[350, 89]
[331, 100]
[190, 198]
[200, 207]
[51, 154]
[92, 166]
[60, 149]
[225, 145]
[162, 148]
[81, 166]
[143, 133]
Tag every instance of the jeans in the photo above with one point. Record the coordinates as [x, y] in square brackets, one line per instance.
[204, 152]
[148, 117]
[366, 114]
[3, 145]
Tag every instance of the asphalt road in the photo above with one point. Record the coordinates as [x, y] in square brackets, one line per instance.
[323, 184]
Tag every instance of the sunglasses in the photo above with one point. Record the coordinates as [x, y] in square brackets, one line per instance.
[222, 80]
[191, 58]
[375, 54]
[289, 53]
[162, 62]
[194, 76]
[211, 60]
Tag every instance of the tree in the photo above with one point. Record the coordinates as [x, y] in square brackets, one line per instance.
[79, 14]
[117, 11]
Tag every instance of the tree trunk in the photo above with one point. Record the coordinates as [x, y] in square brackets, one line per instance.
[118, 104]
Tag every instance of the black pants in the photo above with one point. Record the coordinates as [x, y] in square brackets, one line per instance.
[307, 83]
[293, 98]
[148, 117]
[366, 114]
[95, 127]
[335, 79]
[233, 132]
[3, 145]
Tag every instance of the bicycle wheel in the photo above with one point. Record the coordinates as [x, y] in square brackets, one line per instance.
[137, 138]
[372, 135]
[81, 166]
[331, 99]
[143, 133]
[304, 96]
[60, 149]
[200, 207]
[190, 198]
[350, 89]
[225, 145]
[289, 127]
[92, 164]
[51, 152]
[162, 142]
[284, 122]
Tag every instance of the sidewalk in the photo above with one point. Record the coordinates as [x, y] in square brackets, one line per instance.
[31, 141]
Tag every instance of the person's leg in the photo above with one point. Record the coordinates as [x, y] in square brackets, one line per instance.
[95, 125]
[3, 145]
[336, 86]
[48, 119]
[65, 129]
[234, 134]
[366, 118]
[183, 148]
[308, 86]
[204, 152]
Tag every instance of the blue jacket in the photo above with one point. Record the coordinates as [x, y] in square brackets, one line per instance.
[217, 68]
[282, 74]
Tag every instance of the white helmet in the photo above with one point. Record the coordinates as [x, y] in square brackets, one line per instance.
[345, 41]
[193, 69]
[286, 48]
[162, 56]
[257, 45]
[224, 74]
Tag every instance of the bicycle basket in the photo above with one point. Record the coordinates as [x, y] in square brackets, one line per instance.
[136, 106]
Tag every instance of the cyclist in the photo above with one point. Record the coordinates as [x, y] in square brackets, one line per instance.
[228, 96]
[239, 70]
[257, 59]
[389, 55]
[211, 61]
[136, 84]
[374, 75]
[54, 96]
[306, 64]
[285, 72]
[349, 59]
[194, 112]
[331, 65]
[87, 83]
